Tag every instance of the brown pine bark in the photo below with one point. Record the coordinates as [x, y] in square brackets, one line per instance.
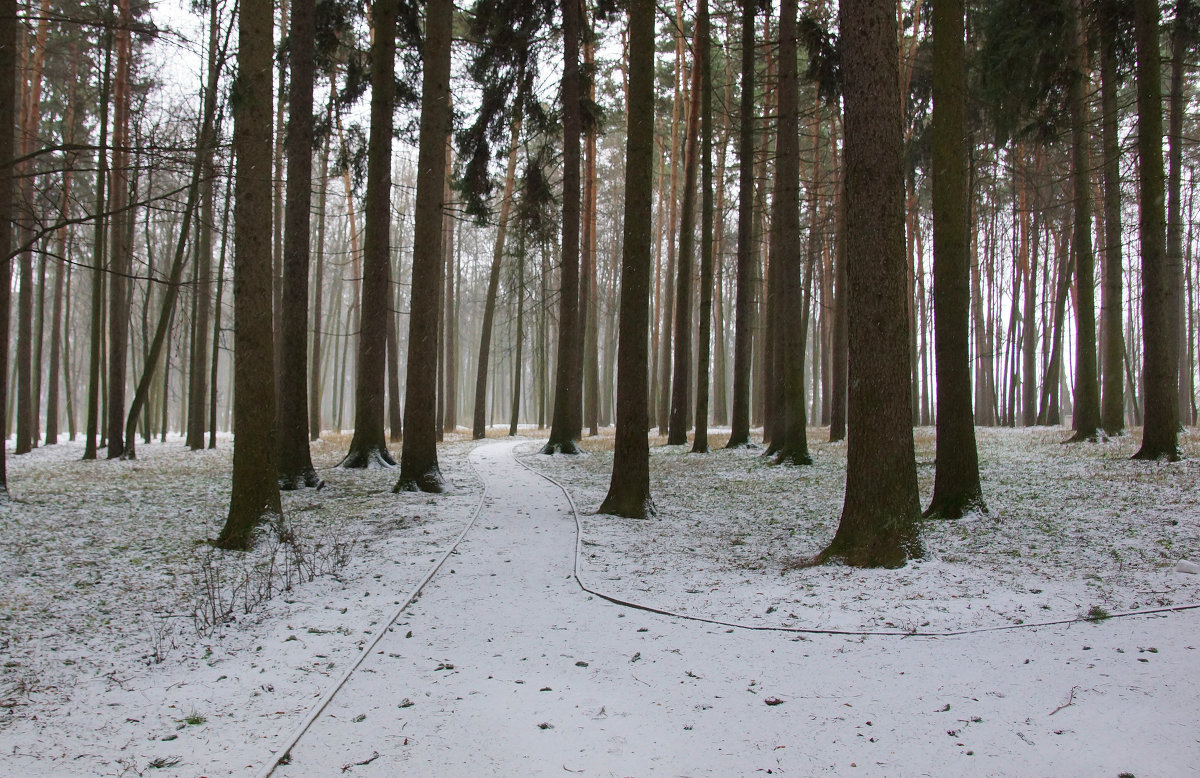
[255, 493]
[744, 303]
[368, 447]
[878, 523]
[566, 424]
[629, 490]
[956, 487]
[8, 153]
[418, 459]
[707, 238]
[1112, 398]
[1159, 349]
[295, 459]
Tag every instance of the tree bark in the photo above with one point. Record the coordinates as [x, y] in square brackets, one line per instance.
[744, 304]
[707, 237]
[295, 459]
[478, 421]
[255, 492]
[368, 447]
[629, 490]
[1112, 401]
[1159, 349]
[956, 487]
[567, 421]
[8, 211]
[418, 459]
[878, 523]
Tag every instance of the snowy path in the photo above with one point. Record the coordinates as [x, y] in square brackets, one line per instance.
[511, 670]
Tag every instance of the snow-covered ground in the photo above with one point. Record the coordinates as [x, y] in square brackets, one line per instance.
[108, 669]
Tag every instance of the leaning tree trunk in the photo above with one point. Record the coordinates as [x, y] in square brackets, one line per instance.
[629, 489]
[479, 421]
[418, 458]
[878, 524]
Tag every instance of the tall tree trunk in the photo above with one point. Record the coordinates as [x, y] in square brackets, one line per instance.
[449, 309]
[368, 447]
[255, 492]
[1085, 419]
[62, 267]
[744, 305]
[478, 422]
[1112, 404]
[566, 426]
[878, 522]
[629, 489]
[1159, 349]
[216, 327]
[1181, 40]
[295, 459]
[418, 459]
[1029, 333]
[515, 414]
[677, 422]
[120, 258]
[956, 487]
[395, 414]
[589, 277]
[99, 260]
[318, 305]
[839, 360]
[707, 237]
[8, 210]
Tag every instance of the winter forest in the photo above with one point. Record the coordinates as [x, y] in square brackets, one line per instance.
[750, 362]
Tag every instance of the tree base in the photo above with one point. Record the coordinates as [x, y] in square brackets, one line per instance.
[677, 439]
[628, 506]
[1158, 453]
[886, 552]
[430, 481]
[789, 457]
[561, 447]
[367, 459]
[290, 482]
[699, 448]
[741, 443]
[1093, 435]
[954, 507]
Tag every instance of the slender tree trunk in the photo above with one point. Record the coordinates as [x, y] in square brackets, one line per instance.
[99, 260]
[216, 327]
[318, 320]
[62, 267]
[956, 488]
[515, 415]
[839, 360]
[1112, 408]
[677, 422]
[1085, 418]
[566, 426]
[1159, 349]
[295, 459]
[478, 425]
[418, 459]
[449, 309]
[629, 489]
[395, 414]
[744, 304]
[589, 276]
[8, 210]
[255, 492]
[704, 62]
[368, 447]
[1181, 40]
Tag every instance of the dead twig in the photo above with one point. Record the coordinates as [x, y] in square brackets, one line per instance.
[1070, 701]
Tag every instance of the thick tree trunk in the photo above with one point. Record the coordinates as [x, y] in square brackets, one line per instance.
[8, 211]
[418, 459]
[368, 447]
[1159, 349]
[629, 489]
[878, 523]
[956, 487]
[255, 493]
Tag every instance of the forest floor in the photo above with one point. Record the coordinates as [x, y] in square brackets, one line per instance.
[130, 647]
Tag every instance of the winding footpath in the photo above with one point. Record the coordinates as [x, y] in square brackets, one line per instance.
[504, 667]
